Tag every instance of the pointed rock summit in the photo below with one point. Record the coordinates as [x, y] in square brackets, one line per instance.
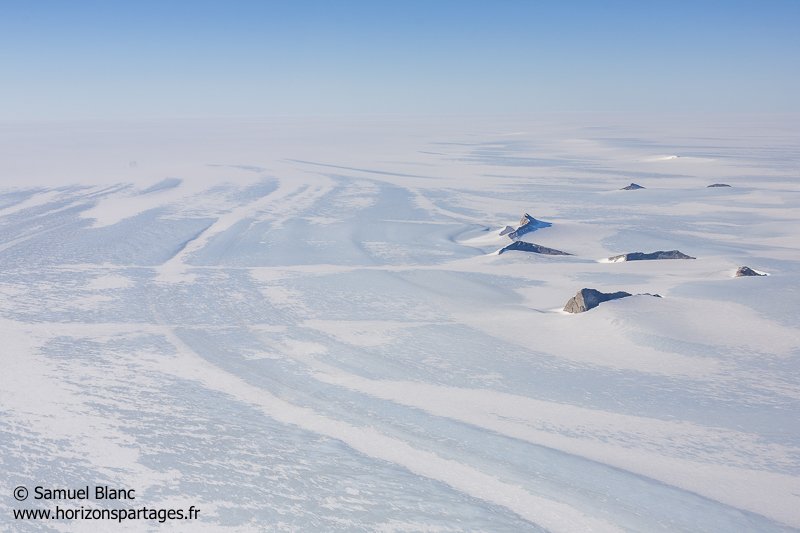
[526, 219]
[632, 187]
[587, 299]
[747, 271]
[527, 224]
[640, 256]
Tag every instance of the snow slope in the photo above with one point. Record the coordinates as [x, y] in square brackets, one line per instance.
[301, 325]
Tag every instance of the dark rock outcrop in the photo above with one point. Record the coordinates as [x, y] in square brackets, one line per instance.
[746, 271]
[523, 246]
[632, 187]
[640, 256]
[587, 299]
[718, 185]
[527, 224]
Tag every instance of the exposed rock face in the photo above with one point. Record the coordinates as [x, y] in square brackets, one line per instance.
[506, 230]
[640, 256]
[523, 246]
[590, 298]
[527, 224]
[718, 185]
[632, 187]
[747, 271]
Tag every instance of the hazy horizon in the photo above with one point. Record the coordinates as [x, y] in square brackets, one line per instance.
[87, 60]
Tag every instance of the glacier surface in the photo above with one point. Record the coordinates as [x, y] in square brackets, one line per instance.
[302, 326]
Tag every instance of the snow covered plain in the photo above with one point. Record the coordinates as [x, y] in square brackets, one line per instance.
[301, 325]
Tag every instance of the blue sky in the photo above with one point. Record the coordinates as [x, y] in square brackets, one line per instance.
[109, 59]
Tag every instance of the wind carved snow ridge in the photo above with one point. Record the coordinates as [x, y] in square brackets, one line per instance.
[550, 514]
[163, 185]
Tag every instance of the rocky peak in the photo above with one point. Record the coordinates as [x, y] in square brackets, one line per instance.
[747, 271]
[527, 224]
[587, 299]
